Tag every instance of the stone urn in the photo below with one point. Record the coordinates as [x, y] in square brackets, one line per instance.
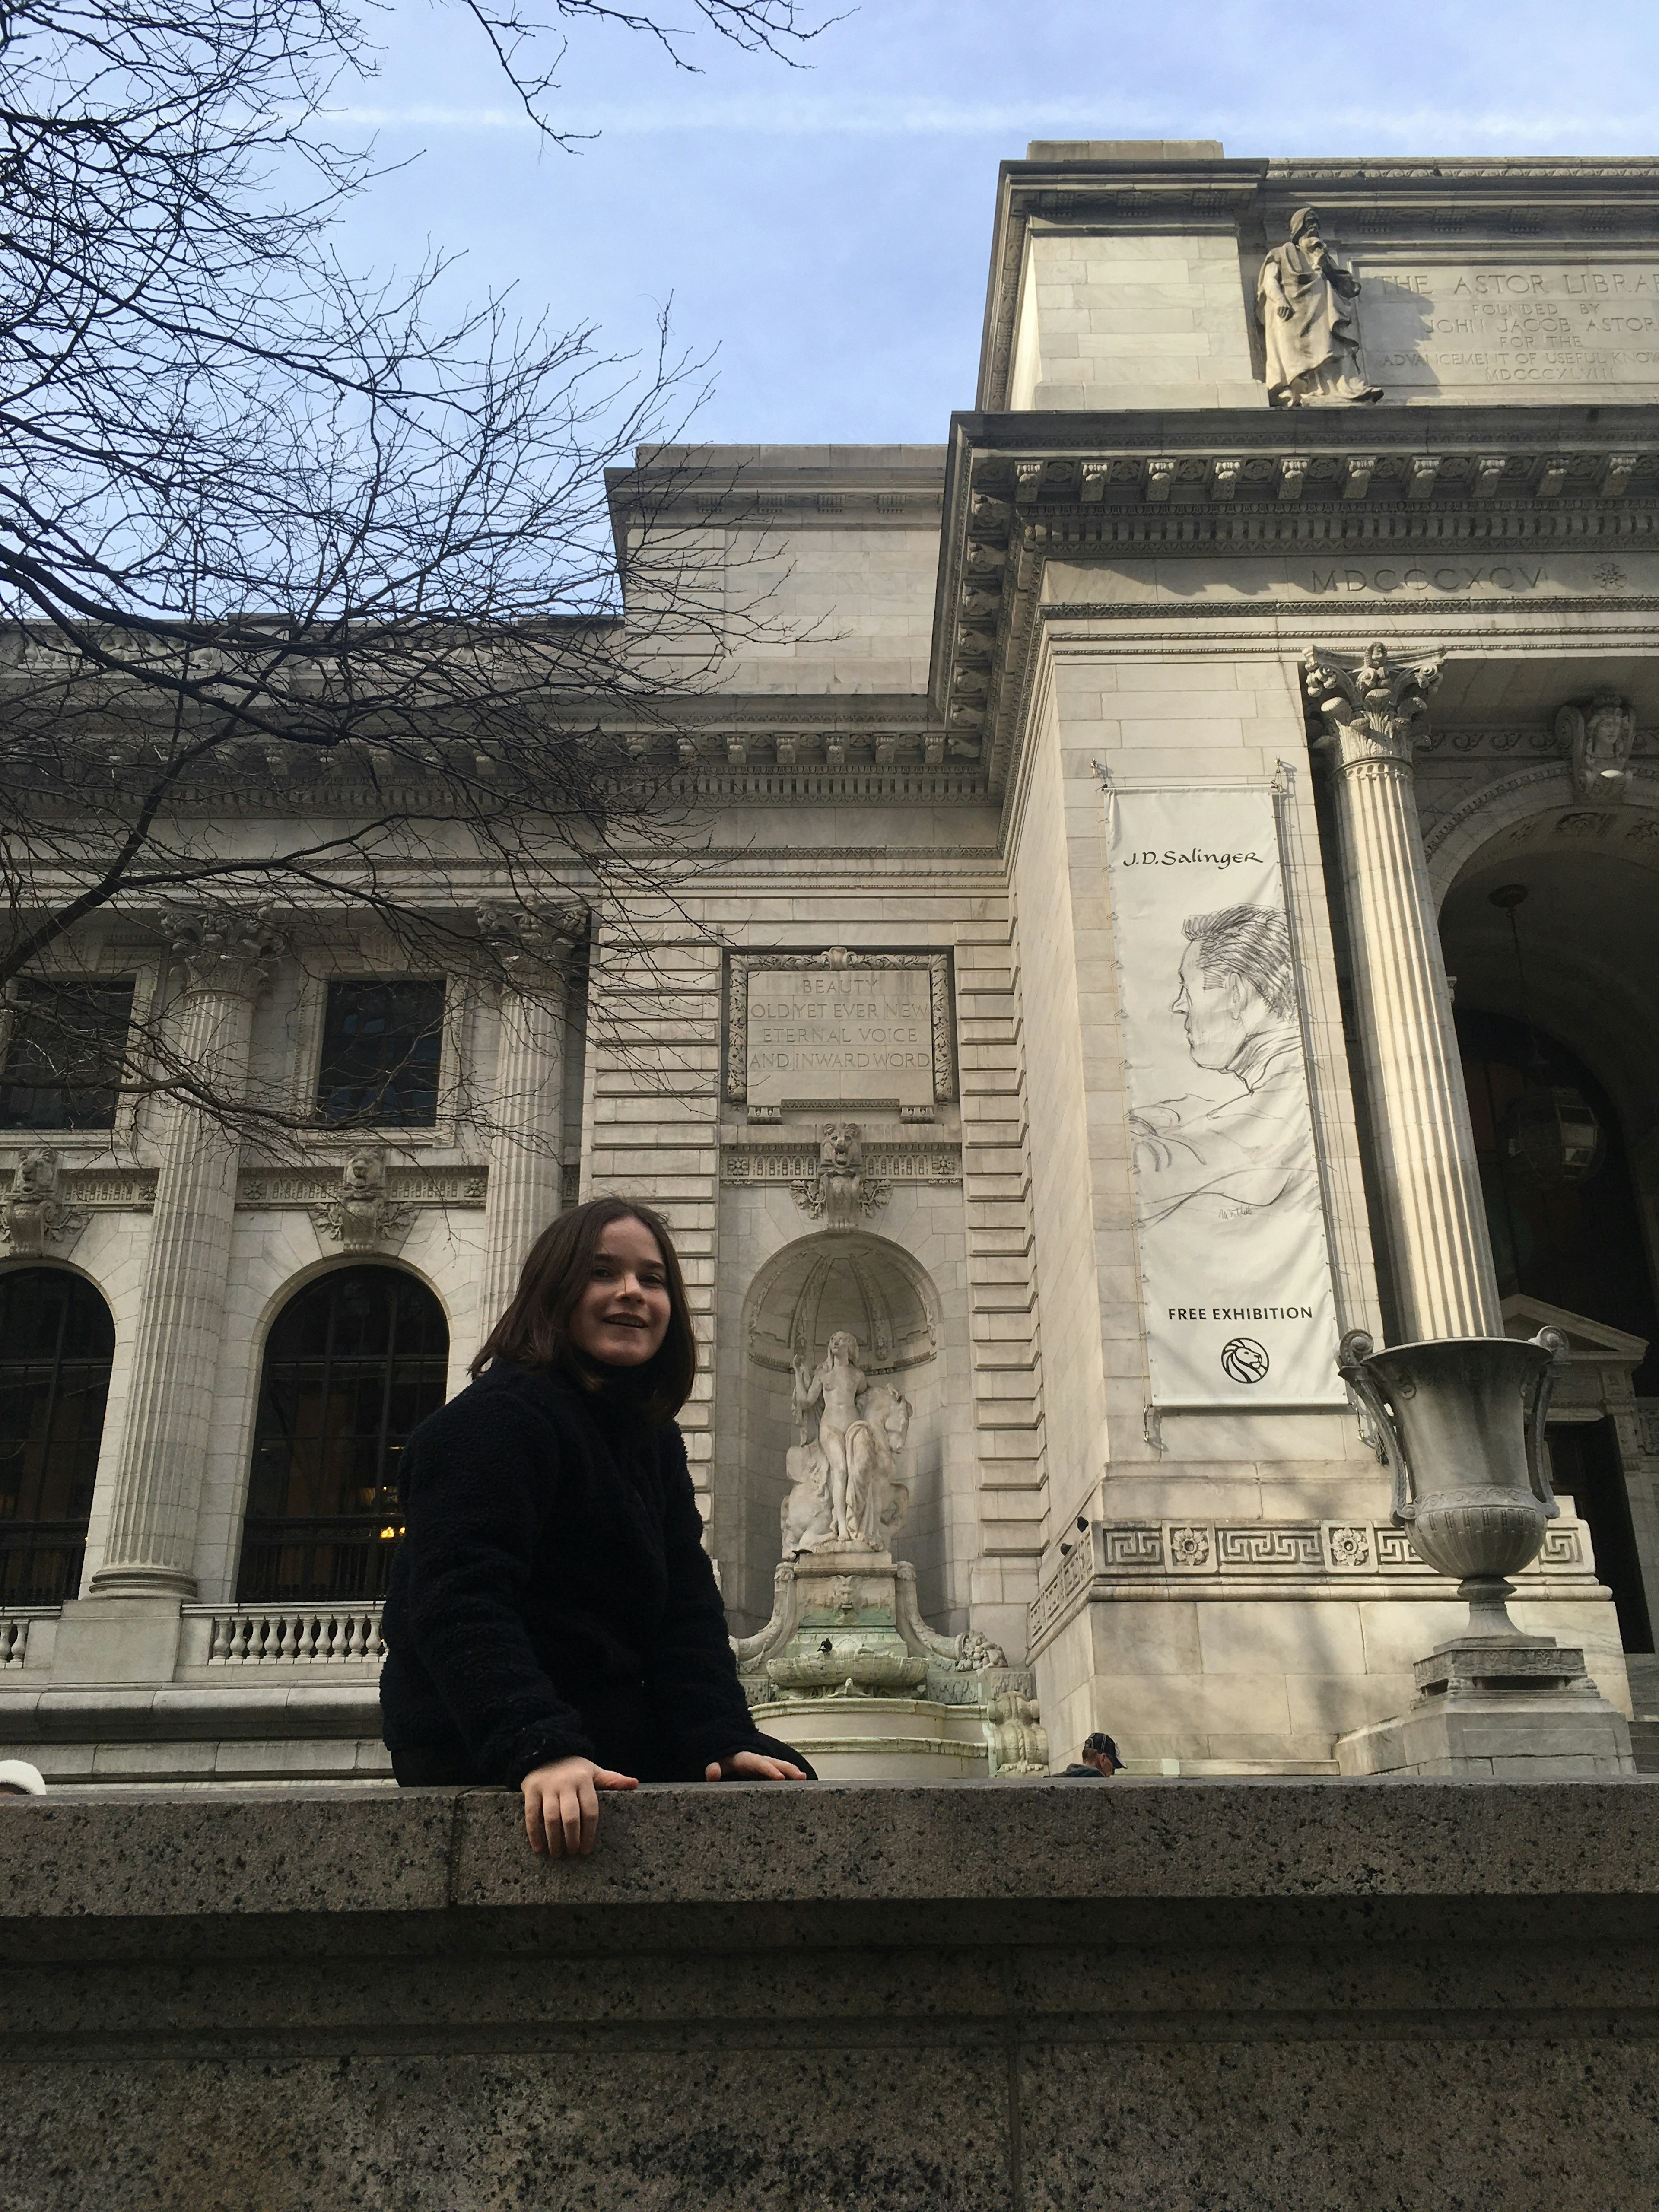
[1462, 1423]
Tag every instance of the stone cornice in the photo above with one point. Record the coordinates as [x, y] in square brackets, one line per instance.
[780, 487]
[1024, 488]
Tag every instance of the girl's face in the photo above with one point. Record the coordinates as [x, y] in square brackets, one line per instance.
[622, 1315]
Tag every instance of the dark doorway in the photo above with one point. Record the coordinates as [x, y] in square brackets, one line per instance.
[56, 1344]
[1584, 1466]
[1579, 1245]
[352, 1364]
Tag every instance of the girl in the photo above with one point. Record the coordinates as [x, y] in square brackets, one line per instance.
[553, 1622]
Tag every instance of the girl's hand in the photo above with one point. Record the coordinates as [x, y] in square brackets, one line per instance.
[752, 1766]
[561, 1805]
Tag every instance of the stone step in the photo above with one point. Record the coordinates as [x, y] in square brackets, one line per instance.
[1644, 1745]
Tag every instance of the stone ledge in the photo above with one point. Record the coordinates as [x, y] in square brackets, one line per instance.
[168, 1856]
[233, 1708]
[1040, 1997]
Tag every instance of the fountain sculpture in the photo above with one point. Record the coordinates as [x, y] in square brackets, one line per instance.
[846, 1667]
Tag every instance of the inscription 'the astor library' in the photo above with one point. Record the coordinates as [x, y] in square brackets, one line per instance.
[858, 1036]
[1463, 325]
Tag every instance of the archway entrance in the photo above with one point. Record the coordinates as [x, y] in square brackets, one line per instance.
[1557, 994]
[57, 1347]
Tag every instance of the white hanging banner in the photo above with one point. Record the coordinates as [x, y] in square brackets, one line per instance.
[1234, 1267]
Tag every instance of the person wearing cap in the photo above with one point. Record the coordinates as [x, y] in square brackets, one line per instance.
[1100, 1760]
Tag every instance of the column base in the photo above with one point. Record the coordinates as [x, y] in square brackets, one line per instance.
[1508, 1709]
[113, 1640]
[142, 1582]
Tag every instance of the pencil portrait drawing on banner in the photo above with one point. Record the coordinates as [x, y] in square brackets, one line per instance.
[1226, 1159]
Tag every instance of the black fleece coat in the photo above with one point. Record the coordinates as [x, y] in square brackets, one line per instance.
[551, 1595]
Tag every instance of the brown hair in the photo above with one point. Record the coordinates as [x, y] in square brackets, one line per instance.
[535, 1330]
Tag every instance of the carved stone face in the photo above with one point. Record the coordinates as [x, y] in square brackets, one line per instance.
[839, 1148]
[362, 1176]
[33, 1175]
[843, 1348]
[1608, 730]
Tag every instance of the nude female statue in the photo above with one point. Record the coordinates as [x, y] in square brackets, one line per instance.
[835, 1385]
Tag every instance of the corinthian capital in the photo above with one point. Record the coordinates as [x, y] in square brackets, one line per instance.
[1373, 712]
[229, 954]
[533, 942]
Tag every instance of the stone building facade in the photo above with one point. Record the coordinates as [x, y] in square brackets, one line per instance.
[1061, 777]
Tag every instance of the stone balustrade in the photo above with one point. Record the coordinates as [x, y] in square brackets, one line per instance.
[308, 1636]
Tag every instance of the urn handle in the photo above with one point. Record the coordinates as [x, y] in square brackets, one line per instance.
[1537, 1453]
[1352, 1354]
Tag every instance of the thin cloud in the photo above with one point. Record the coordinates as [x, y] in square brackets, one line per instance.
[1360, 127]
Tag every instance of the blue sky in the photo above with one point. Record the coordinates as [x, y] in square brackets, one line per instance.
[824, 231]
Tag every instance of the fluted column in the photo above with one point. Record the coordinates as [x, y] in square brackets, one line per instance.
[1433, 1215]
[526, 1106]
[151, 1542]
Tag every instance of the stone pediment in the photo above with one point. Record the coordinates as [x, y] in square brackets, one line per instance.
[1589, 1343]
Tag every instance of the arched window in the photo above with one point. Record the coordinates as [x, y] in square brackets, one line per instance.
[57, 1342]
[352, 1364]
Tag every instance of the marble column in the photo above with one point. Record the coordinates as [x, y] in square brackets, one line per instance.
[1433, 1216]
[150, 1545]
[527, 1102]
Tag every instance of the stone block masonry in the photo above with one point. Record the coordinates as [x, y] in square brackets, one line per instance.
[981, 1997]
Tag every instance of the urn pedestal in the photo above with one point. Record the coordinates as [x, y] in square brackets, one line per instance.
[1462, 1424]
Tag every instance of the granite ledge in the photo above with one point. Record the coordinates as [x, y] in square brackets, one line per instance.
[162, 1857]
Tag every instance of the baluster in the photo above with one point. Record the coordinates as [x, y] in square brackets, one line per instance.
[219, 1645]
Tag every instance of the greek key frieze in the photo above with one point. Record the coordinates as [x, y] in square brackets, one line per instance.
[1257, 1545]
[1300, 1552]
[1562, 1548]
[1129, 1544]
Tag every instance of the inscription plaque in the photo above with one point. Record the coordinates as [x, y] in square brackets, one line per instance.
[853, 1036]
[1458, 327]
[839, 1029]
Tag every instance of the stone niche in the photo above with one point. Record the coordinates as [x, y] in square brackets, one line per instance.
[883, 1298]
